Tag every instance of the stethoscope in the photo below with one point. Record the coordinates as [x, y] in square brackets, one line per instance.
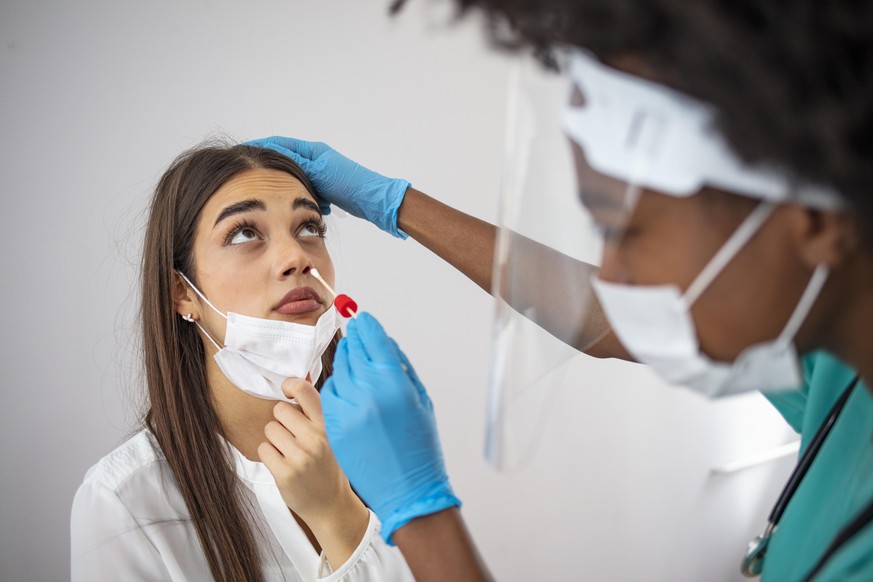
[753, 562]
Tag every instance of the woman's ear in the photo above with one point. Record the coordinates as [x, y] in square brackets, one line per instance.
[185, 300]
[827, 237]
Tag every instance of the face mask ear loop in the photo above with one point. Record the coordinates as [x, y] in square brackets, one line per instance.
[804, 306]
[209, 303]
[206, 333]
[202, 296]
[728, 251]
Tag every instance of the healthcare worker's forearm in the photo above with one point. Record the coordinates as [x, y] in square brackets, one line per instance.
[438, 547]
[468, 244]
[463, 241]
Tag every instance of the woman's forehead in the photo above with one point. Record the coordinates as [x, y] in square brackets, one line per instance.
[263, 181]
[267, 185]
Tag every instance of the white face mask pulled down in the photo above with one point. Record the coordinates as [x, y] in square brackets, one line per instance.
[654, 323]
[259, 354]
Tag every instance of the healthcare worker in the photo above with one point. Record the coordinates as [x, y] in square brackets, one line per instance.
[723, 152]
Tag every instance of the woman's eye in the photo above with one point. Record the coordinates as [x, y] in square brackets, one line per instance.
[311, 229]
[243, 235]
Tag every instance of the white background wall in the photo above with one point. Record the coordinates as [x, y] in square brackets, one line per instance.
[98, 96]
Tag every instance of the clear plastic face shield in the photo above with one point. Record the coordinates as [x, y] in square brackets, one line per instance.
[536, 322]
[583, 149]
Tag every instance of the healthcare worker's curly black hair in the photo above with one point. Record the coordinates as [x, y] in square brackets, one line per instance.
[792, 80]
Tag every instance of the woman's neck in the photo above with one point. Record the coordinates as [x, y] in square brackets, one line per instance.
[242, 416]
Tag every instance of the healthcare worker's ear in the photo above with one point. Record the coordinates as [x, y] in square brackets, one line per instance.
[185, 300]
[826, 237]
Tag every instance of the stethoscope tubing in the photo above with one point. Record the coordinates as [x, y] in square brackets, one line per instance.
[753, 561]
[809, 455]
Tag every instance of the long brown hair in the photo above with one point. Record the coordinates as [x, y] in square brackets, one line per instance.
[180, 412]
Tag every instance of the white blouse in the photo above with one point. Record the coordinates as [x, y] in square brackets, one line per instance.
[129, 522]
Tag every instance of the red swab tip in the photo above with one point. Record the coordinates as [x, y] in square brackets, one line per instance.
[345, 305]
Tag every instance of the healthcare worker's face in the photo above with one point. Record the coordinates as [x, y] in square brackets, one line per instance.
[258, 238]
[667, 240]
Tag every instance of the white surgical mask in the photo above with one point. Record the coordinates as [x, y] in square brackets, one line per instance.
[259, 354]
[654, 323]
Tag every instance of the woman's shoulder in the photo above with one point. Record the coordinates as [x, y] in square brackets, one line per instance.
[134, 479]
[139, 453]
[118, 514]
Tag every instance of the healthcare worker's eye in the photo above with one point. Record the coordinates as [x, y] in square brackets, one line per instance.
[610, 234]
[311, 228]
[242, 232]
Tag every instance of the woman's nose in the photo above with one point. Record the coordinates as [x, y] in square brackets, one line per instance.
[290, 259]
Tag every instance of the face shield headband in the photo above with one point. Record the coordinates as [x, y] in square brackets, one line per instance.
[653, 137]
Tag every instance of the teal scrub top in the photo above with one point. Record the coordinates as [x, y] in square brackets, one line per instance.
[838, 485]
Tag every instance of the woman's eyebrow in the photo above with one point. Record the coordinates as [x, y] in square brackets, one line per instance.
[305, 203]
[238, 207]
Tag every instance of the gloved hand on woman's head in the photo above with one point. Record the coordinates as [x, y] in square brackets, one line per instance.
[341, 181]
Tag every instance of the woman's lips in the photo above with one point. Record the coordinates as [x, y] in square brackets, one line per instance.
[299, 300]
[298, 307]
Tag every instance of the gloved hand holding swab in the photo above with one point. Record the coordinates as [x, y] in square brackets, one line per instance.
[344, 304]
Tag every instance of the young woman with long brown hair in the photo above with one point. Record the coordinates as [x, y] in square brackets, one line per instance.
[204, 488]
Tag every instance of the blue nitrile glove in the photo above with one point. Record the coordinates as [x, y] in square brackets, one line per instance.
[338, 180]
[381, 426]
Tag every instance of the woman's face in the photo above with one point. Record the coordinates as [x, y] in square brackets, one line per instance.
[257, 240]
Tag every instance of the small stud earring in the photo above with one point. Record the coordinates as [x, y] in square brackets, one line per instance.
[188, 318]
